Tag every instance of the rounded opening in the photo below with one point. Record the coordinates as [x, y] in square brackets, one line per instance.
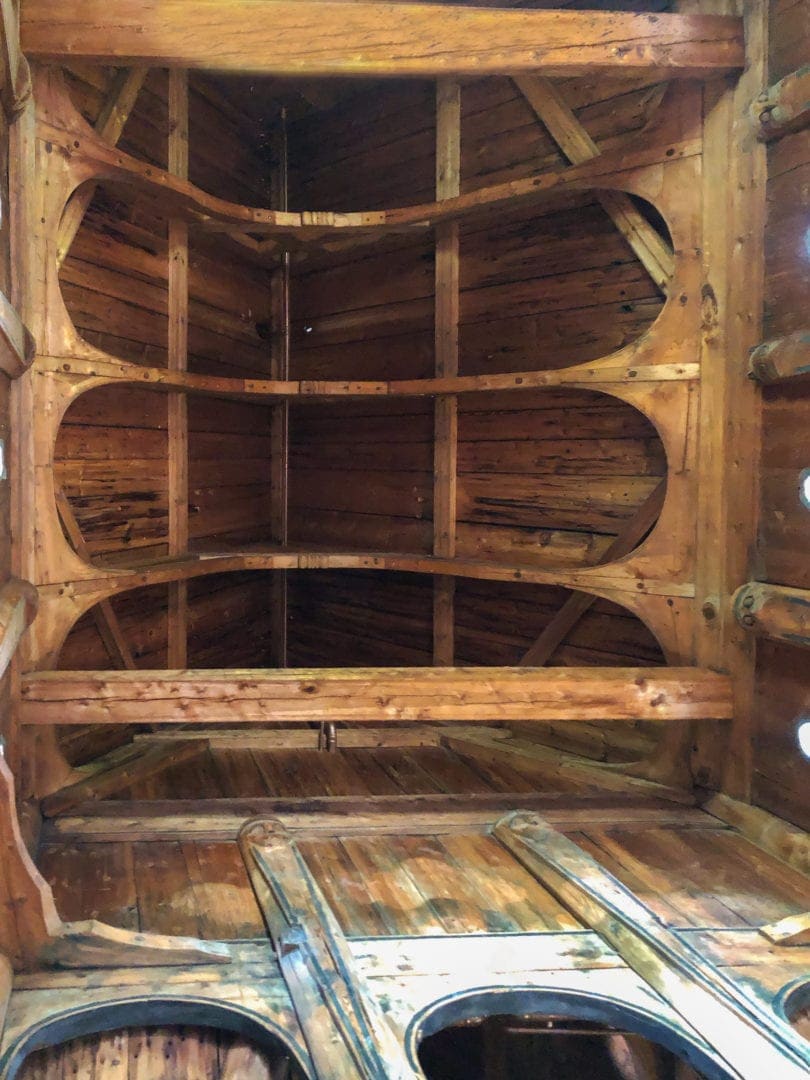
[518, 1032]
[793, 1002]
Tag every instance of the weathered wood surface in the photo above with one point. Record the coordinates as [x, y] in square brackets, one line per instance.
[708, 1001]
[381, 39]
[774, 611]
[785, 106]
[772, 834]
[374, 695]
[18, 608]
[781, 359]
[15, 78]
[793, 930]
[16, 344]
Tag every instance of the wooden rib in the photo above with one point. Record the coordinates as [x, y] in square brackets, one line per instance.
[446, 330]
[120, 769]
[578, 604]
[782, 359]
[785, 106]
[346, 1031]
[178, 361]
[367, 695]
[774, 611]
[794, 930]
[749, 1041]
[18, 606]
[320, 39]
[17, 346]
[551, 108]
[110, 124]
[768, 832]
[106, 620]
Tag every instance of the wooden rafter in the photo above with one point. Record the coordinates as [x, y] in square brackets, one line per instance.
[106, 620]
[579, 603]
[551, 108]
[367, 695]
[114, 114]
[298, 38]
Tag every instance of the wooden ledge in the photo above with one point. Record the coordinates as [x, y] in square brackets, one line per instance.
[378, 695]
[292, 37]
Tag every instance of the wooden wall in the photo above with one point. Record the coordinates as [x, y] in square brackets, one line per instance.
[780, 772]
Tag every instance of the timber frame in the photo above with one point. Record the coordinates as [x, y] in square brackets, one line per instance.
[677, 566]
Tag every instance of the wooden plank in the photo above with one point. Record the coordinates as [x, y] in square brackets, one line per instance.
[370, 695]
[549, 104]
[345, 1029]
[17, 346]
[320, 39]
[446, 344]
[772, 834]
[749, 1042]
[785, 106]
[578, 604]
[178, 361]
[794, 930]
[118, 770]
[774, 611]
[110, 124]
[782, 359]
[107, 622]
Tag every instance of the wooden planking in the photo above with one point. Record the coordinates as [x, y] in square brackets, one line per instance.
[381, 39]
[369, 695]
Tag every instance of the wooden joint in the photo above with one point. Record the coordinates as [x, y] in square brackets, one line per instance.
[781, 359]
[783, 107]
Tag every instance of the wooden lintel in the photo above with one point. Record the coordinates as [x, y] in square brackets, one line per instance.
[291, 37]
[549, 105]
[774, 611]
[369, 695]
[785, 106]
[781, 359]
[579, 603]
[114, 114]
[17, 346]
[745, 1039]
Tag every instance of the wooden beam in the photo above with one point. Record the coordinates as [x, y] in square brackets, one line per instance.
[114, 114]
[782, 359]
[772, 834]
[363, 738]
[368, 695]
[549, 105]
[15, 78]
[17, 346]
[794, 930]
[446, 324]
[774, 611]
[178, 361]
[104, 616]
[346, 1031]
[750, 1041]
[120, 769]
[18, 606]
[785, 106]
[291, 37]
[561, 625]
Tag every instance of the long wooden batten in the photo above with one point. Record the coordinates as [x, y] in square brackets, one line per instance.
[374, 695]
[279, 37]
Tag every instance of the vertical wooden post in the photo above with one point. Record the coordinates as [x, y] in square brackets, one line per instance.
[178, 361]
[734, 165]
[280, 418]
[445, 453]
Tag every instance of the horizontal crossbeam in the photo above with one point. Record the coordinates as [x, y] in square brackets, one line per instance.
[299, 37]
[367, 695]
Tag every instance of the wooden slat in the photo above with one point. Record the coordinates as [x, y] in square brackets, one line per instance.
[319, 39]
[782, 359]
[578, 604]
[550, 106]
[178, 361]
[752, 1043]
[110, 124]
[106, 620]
[774, 611]
[446, 341]
[785, 106]
[374, 694]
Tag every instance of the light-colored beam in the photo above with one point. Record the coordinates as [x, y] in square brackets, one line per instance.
[781, 359]
[380, 695]
[296, 37]
[774, 611]
[772, 834]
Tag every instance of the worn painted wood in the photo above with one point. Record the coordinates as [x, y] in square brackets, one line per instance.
[774, 611]
[794, 930]
[374, 695]
[381, 39]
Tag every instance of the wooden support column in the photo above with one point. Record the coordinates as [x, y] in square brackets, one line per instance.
[178, 361]
[445, 452]
[280, 418]
[734, 178]
[750, 1041]
[782, 359]
[774, 611]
